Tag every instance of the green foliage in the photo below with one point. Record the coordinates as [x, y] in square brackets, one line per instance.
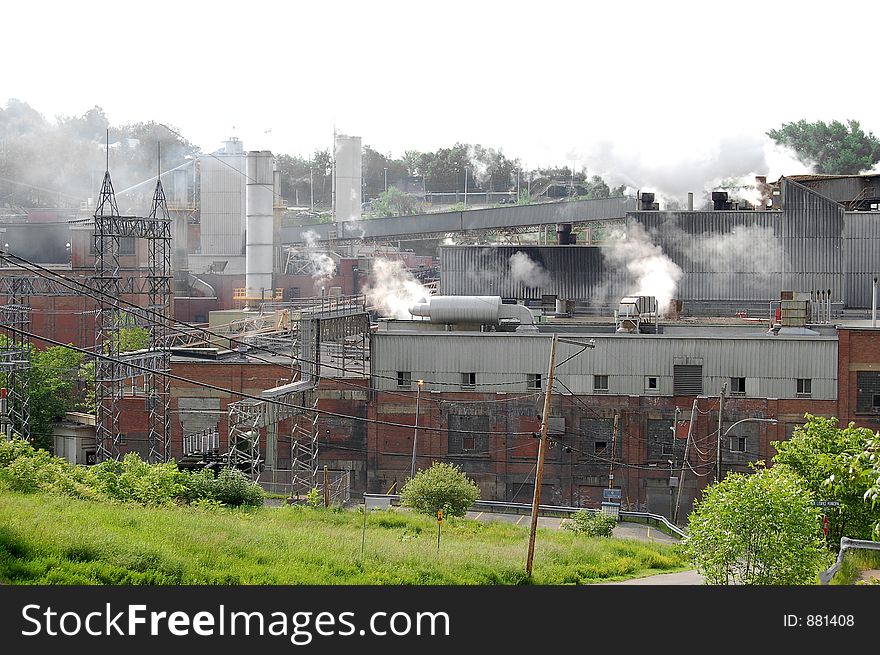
[47, 539]
[592, 524]
[233, 488]
[866, 466]
[834, 148]
[395, 202]
[24, 469]
[827, 457]
[759, 529]
[443, 486]
[314, 498]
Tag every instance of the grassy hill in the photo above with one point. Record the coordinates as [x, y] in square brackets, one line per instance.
[51, 539]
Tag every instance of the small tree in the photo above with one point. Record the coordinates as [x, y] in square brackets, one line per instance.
[759, 529]
[443, 486]
[827, 458]
[395, 202]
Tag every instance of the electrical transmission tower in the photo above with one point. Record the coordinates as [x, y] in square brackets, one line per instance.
[160, 286]
[108, 374]
[111, 371]
[15, 354]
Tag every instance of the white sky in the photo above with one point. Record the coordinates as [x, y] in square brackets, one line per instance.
[660, 83]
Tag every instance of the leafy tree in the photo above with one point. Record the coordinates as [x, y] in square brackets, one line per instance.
[865, 468]
[759, 529]
[395, 202]
[443, 486]
[827, 458]
[835, 148]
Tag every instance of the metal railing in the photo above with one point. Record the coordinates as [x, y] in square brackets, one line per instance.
[563, 511]
[846, 544]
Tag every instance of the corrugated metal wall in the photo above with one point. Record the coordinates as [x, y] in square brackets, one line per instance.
[862, 238]
[726, 256]
[770, 364]
[222, 189]
[575, 272]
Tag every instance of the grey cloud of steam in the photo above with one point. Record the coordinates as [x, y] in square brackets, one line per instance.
[653, 272]
[392, 289]
[528, 273]
[323, 267]
[731, 163]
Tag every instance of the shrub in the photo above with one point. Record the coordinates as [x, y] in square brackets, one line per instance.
[592, 524]
[443, 486]
[232, 487]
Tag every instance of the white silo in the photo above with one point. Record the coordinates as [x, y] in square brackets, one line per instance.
[258, 249]
[347, 178]
[222, 202]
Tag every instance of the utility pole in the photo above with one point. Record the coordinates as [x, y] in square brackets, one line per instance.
[412, 473]
[718, 454]
[465, 185]
[542, 447]
[613, 445]
[311, 188]
[684, 463]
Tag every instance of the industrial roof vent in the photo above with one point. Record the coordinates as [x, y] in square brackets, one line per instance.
[635, 311]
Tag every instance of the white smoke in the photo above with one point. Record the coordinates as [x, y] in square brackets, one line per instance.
[655, 274]
[671, 172]
[323, 266]
[527, 272]
[392, 289]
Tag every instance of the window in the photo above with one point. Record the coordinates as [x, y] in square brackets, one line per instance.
[533, 381]
[868, 393]
[600, 383]
[662, 445]
[404, 379]
[738, 444]
[468, 435]
[687, 380]
[737, 386]
[804, 386]
[651, 384]
[597, 435]
[556, 425]
[469, 380]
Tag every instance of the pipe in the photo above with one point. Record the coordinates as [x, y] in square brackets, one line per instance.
[199, 284]
[874, 305]
[472, 309]
[829, 306]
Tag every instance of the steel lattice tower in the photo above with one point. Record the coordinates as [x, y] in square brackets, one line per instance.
[160, 289]
[15, 357]
[108, 319]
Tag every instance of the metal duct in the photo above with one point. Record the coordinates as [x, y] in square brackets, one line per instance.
[258, 240]
[484, 310]
[874, 304]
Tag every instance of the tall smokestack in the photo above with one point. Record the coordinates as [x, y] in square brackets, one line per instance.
[690, 201]
[258, 244]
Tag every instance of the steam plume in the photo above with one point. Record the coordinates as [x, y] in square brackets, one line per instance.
[527, 272]
[654, 273]
[392, 289]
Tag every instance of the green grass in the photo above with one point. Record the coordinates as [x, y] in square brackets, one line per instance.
[48, 539]
[854, 562]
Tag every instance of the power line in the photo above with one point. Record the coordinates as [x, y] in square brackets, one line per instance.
[242, 394]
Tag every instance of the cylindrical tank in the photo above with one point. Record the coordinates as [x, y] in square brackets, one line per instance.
[460, 309]
[258, 242]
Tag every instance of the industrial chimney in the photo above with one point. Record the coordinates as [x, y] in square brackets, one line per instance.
[258, 242]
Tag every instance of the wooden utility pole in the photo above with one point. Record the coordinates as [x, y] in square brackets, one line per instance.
[718, 453]
[685, 461]
[542, 447]
[613, 445]
[326, 488]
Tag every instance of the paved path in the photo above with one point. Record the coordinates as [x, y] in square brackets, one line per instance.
[681, 578]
